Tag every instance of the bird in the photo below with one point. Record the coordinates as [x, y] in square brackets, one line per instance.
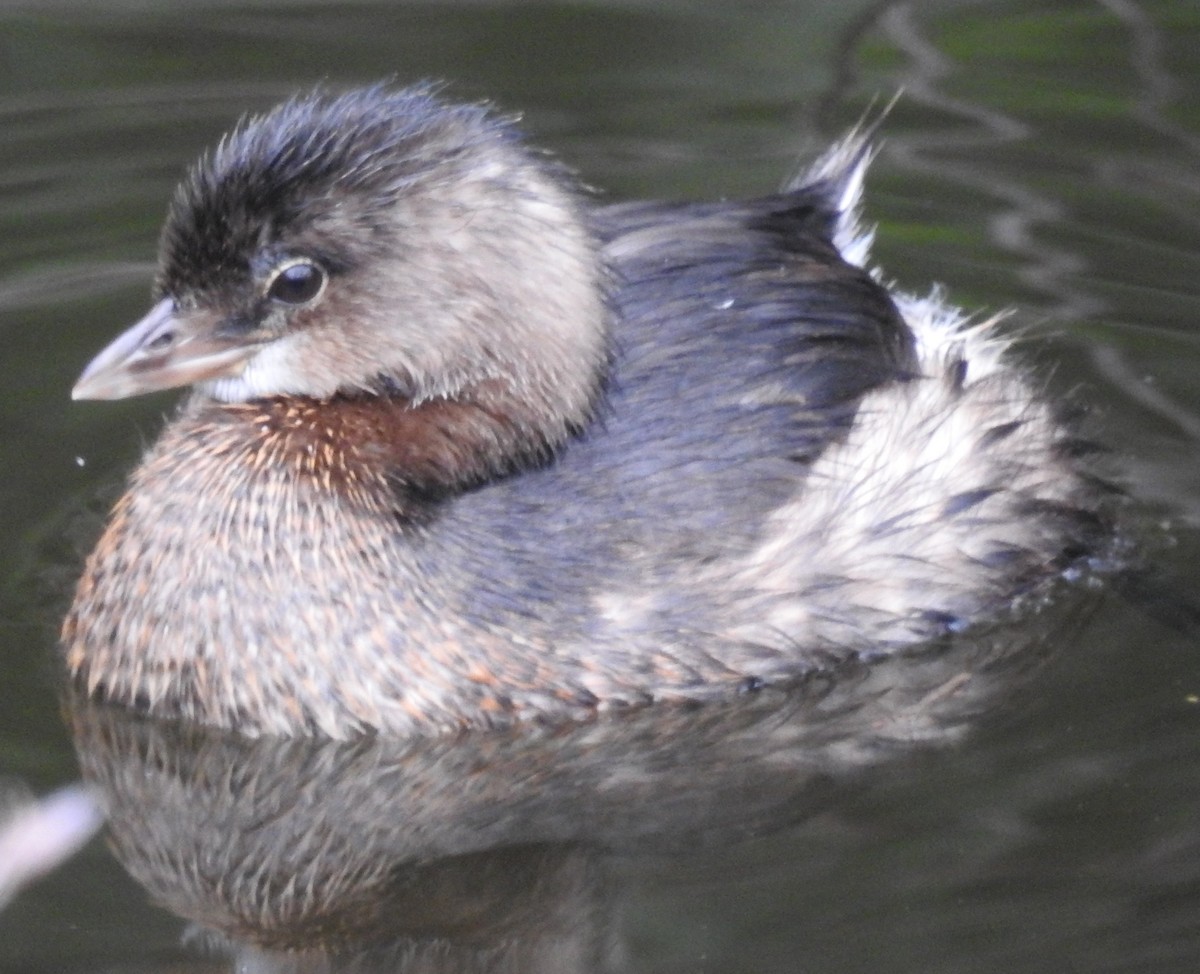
[467, 446]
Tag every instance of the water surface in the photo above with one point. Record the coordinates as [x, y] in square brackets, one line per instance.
[1043, 156]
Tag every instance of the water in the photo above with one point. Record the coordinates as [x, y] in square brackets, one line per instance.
[1044, 156]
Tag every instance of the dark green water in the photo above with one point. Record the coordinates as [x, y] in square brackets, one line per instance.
[1044, 156]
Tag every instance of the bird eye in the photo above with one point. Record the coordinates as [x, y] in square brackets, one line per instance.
[297, 283]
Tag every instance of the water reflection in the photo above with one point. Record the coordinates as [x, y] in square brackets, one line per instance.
[491, 851]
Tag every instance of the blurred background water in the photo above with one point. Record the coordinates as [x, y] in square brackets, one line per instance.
[1044, 156]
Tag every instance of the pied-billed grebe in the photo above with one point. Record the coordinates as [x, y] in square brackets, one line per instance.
[464, 448]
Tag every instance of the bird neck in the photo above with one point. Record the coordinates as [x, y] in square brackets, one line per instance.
[368, 446]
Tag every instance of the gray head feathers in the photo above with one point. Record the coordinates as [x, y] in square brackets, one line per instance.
[316, 157]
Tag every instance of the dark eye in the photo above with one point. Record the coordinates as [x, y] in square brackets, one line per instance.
[297, 283]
